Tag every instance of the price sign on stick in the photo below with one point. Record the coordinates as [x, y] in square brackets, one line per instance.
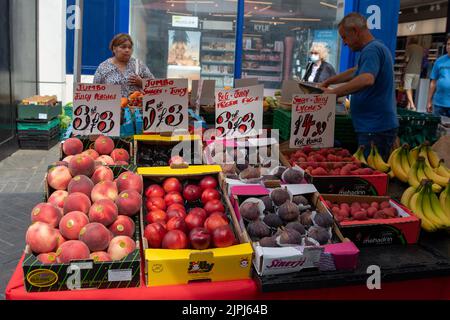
[96, 109]
[239, 112]
[312, 122]
[165, 105]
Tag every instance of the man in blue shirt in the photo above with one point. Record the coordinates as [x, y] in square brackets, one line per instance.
[439, 93]
[371, 84]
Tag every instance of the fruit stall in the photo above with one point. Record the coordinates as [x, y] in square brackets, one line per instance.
[154, 214]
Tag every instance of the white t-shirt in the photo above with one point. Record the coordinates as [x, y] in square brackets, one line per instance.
[315, 67]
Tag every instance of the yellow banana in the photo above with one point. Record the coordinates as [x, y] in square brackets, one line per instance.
[436, 188]
[391, 174]
[371, 158]
[438, 210]
[379, 162]
[406, 196]
[427, 209]
[423, 152]
[420, 173]
[412, 175]
[433, 157]
[393, 153]
[359, 154]
[397, 167]
[416, 207]
[404, 159]
[413, 154]
[442, 170]
[440, 180]
[444, 200]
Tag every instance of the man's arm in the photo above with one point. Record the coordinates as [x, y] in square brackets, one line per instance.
[358, 83]
[340, 78]
[431, 92]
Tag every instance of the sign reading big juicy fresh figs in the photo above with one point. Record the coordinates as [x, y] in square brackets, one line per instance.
[312, 121]
[239, 112]
[165, 105]
[96, 109]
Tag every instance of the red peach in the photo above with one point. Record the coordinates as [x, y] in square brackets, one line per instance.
[130, 181]
[58, 198]
[71, 224]
[72, 146]
[103, 211]
[67, 160]
[123, 226]
[80, 184]
[102, 173]
[41, 237]
[72, 250]
[46, 212]
[120, 247]
[175, 239]
[77, 201]
[100, 256]
[105, 160]
[60, 238]
[91, 153]
[120, 155]
[104, 145]
[154, 233]
[177, 223]
[81, 165]
[104, 190]
[121, 163]
[47, 258]
[95, 236]
[129, 202]
[156, 216]
[59, 177]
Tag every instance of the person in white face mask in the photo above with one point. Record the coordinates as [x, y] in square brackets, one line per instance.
[318, 69]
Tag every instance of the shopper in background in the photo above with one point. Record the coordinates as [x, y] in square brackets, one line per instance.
[439, 93]
[318, 70]
[414, 54]
[122, 68]
[371, 84]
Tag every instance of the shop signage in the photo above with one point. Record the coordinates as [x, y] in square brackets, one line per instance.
[312, 122]
[96, 109]
[184, 22]
[239, 112]
[165, 105]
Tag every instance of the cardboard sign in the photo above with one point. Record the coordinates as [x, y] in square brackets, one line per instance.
[312, 121]
[239, 112]
[165, 105]
[96, 109]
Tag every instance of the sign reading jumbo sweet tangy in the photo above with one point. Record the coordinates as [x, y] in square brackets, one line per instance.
[96, 109]
[165, 105]
[239, 112]
[313, 120]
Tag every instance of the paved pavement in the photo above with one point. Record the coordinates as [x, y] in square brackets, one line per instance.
[21, 188]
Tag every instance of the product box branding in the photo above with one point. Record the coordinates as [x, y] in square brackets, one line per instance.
[200, 267]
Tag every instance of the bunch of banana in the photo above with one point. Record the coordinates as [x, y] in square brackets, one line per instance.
[376, 161]
[444, 199]
[399, 163]
[417, 173]
[359, 154]
[426, 205]
[424, 150]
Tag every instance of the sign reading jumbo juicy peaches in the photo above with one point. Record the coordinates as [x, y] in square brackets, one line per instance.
[165, 105]
[96, 109]
[239, 112]
[312, 121]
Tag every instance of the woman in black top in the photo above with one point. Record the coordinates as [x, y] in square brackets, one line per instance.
[318, 70]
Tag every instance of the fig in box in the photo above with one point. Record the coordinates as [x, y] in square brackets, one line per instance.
[191, 232]
[76, 243]
[104, 150]
[370, 220]
[291, 230]
[162, 151]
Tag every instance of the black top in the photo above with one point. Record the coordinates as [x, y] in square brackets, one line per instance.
[324, 72]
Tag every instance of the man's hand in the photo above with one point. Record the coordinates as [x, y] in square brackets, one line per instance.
[328, 91]
[135, 80]
[323, 85]
[429, 107]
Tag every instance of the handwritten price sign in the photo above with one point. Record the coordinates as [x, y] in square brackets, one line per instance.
[96, 109]
[313, 118]
[165, 105]
[239, 112]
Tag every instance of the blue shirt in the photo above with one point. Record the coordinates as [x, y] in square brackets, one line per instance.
[441, 73]
[374, 109]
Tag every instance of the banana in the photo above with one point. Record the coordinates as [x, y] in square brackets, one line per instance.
[359, 155]
[391, 174]
[420, 173]
[379, 162]
[423, 153]
[404, 160]
[371, 158]
[413, 154]
[397, 167]
[406, 196]
[444, 200]
[412, 175]
[433, 157]
[438, 210]
[427, 209]
[393, 153]
[440, 180]
[416, 207]
[442, 170]
[436, 188]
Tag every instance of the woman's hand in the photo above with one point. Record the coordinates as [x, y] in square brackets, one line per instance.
[135, 80]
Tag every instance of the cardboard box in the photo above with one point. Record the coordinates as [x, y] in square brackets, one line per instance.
[88, 143]
[170, 267]
[84, 274]
[342, 255]
[402, 230]
[38, 112]
[167, 142]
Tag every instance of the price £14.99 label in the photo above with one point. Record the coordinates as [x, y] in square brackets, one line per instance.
[96, 110]
[313, 121]
[239, 112]
[165, 105]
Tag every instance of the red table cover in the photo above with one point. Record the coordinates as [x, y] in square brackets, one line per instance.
[431, 288]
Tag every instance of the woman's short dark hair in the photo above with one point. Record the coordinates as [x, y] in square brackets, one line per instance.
[120, 39]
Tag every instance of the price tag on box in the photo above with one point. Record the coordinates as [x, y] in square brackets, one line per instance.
[165, 105]
[313, 120]
[96, 109]
[239, 112]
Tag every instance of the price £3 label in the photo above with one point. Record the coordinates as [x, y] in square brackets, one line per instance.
[158, 115]
[229, 124]
[87, 118]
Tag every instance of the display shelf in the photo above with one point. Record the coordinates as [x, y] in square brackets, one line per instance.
[216, 50]
[217, 62]
[213, 74]
[264, 69]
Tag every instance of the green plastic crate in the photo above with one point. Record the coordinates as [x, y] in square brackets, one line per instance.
[416, 127]
[38, 112]
[46, 126]
[282, 122]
